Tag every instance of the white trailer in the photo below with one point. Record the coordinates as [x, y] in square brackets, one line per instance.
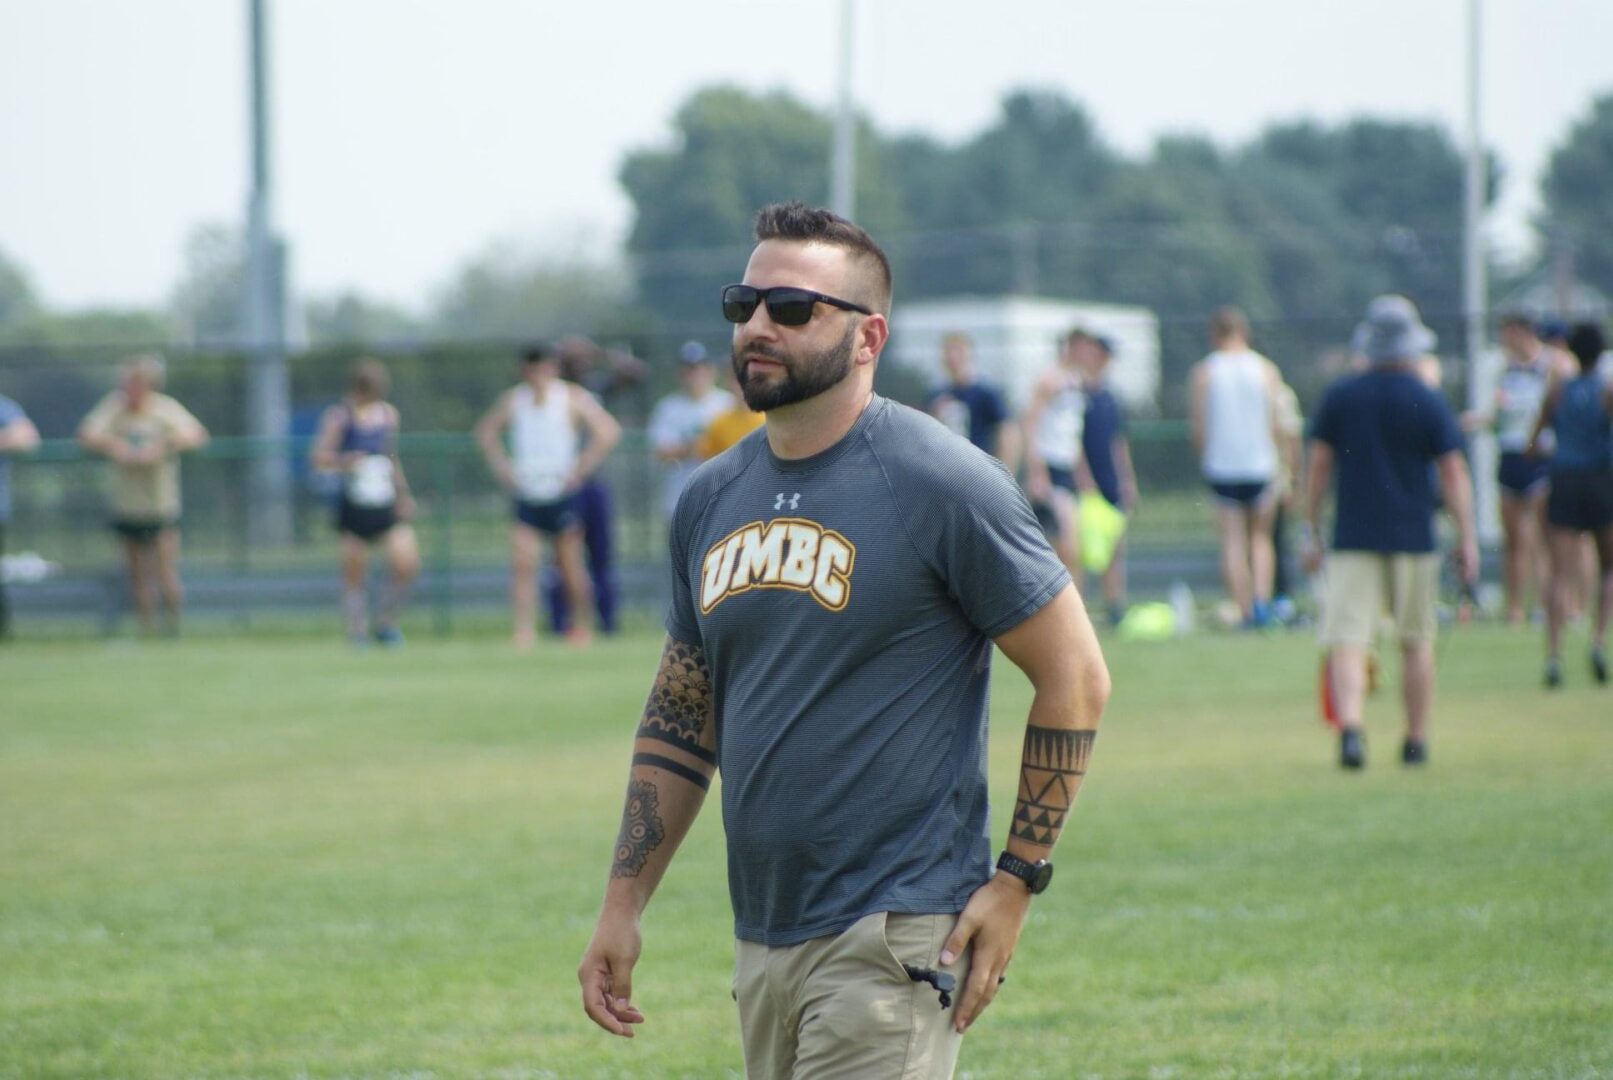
[1016, 337]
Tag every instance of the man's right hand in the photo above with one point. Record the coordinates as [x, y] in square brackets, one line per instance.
[1311, 551]
[606, 974]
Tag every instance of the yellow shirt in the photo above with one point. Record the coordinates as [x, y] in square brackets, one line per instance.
[727, 429]
[1291, 423]
[145, 493]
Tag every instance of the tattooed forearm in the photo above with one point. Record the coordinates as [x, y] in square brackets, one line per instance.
[1050, 774]
[680, 708]
[642, 829]
[676, 768]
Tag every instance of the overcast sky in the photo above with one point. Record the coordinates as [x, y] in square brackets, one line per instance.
[411, 134]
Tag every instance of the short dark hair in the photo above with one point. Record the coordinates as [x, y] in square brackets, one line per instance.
[1587, 343]
[538, 351]
[795, 220]
[1228, 322]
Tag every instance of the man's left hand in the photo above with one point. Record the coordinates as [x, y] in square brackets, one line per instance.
[992, 921]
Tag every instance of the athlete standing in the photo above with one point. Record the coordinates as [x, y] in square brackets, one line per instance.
[358, 439]
[542, 470]
[1052, 431]
[1581, 499]
[1235, 423]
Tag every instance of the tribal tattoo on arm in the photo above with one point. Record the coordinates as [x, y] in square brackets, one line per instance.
[1050, 774]
[679, 712]
[642, 829]
[674, 758]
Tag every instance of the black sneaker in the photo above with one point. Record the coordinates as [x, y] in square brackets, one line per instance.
[1352, 751]
[1599, 665]
[1413, 752]
[1554, 675]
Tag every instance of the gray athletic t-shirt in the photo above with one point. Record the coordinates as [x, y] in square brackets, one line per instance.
[846, 604]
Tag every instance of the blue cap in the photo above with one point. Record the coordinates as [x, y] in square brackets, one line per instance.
[692, 352]
[1551, 328]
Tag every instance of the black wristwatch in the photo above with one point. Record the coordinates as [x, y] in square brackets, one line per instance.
[1036, 875]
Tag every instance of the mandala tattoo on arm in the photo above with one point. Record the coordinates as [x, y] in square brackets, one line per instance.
[642, 829]
[1050, 774]
[680, 707]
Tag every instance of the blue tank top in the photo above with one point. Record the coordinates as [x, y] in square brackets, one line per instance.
[364, 439]
[1584, 431]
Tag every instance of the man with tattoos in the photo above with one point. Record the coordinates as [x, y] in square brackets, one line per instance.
[840, 577]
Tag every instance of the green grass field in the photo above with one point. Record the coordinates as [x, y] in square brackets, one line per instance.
[228, 858]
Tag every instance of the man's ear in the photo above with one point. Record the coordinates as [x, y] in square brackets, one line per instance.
[872, 334]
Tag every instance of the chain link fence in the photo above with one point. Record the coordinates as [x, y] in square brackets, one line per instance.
[75, 584]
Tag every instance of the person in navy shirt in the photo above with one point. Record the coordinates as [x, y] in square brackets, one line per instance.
[1106, 455]
[1374, 437]
[970, 407]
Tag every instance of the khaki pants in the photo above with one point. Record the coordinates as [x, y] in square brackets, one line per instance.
[843, 1007]
[1363, 587]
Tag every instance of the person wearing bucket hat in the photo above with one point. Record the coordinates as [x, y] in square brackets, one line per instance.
[1392, 332]
[1372, 441]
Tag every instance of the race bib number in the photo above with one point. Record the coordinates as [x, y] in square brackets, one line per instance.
[370, 482]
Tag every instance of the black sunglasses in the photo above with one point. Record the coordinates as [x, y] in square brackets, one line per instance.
[787, 305]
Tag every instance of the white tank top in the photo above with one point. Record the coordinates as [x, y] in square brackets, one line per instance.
[1058, 430]
[1518, 397]
[543, 442]
[1238, 447]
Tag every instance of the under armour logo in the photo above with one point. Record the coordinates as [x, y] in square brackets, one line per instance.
[791, 501]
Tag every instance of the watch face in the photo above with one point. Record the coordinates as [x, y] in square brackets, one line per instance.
[1041, 876]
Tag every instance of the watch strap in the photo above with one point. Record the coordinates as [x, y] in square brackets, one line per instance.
[1032, 874]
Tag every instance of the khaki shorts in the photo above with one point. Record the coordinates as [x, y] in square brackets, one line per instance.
[1363, 587]
[843, 1007]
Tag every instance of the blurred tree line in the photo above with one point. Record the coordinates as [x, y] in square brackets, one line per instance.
[1300, 226]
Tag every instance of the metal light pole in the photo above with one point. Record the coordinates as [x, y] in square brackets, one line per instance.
[843, 173]
[263, 315]
[1474, 299]
[1473, 282]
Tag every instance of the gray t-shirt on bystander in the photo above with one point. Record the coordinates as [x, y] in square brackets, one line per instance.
[846, 604]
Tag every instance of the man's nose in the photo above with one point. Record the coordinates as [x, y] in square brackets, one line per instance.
[760, 326]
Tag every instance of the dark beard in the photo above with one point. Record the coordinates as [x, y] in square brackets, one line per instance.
[804, 377]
